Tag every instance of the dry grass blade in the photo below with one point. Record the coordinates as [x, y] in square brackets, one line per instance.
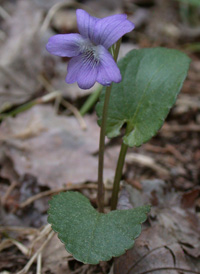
[39, 264]
[66, 104]
[21, 230]
[54, 191]
[45, 231]
[55, 9]
[9, 190]
[75, 112]
[33, 258]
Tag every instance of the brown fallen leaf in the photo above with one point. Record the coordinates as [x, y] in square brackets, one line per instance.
[52, 148]
[21, 60]
[171, 242]
[55, 257]
[189, 198]
[155, 248]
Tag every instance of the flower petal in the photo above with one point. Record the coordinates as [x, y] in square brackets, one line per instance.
[82, 71]
[86, 23]
[65, 45]
[109, 30]
[73, 69]
[108, 70]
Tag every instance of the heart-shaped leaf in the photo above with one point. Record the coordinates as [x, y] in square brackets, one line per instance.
[91, 236]
[151, 81]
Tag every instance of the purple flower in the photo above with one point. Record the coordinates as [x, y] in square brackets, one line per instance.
[91, 60]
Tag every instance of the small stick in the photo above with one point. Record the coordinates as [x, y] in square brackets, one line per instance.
[178, 128]
[76, 113]
[66, 104]
[39, 263]
[45, 231]
[9, 190]
[31, 261]
[19, 229]
[53, 191]
[55, 9]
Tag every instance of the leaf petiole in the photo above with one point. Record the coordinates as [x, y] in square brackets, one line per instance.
[118, 172]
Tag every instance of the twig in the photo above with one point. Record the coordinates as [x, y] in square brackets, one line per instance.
[5, 244]
[45, 83]
[171, 149]
[169, 268]
[32, 259]
[9, 190]
[168, 149]
[24, 230]
[45, 231]
[66, 104]
[53, 191]
[55, 9]
[75, 112]
[39, 264]
[20, 246]
[178, 128]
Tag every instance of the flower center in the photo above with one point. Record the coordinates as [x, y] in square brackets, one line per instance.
[90, 53]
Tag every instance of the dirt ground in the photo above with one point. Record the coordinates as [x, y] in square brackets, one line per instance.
[47, 147]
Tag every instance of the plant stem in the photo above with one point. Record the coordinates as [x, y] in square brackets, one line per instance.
[18, 110]
[118, 172]
[118, 175]
[100, 195]
[89, 103]
[117, 47]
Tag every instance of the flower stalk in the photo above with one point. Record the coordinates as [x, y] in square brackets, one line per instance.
[100, 193]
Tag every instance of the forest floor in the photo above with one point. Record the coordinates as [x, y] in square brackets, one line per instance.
[46, 147]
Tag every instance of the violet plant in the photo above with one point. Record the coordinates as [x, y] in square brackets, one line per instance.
[138, 94]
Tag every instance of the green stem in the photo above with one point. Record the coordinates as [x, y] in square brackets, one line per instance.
[19, 109]
[118, 172]
[116, 52]
[92, 99]
[118, 175]
[100, 195]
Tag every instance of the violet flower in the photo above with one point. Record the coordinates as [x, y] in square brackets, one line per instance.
[91, 61]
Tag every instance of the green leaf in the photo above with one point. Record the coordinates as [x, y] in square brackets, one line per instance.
[151, 81]
[191, 2]
[91, 236]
